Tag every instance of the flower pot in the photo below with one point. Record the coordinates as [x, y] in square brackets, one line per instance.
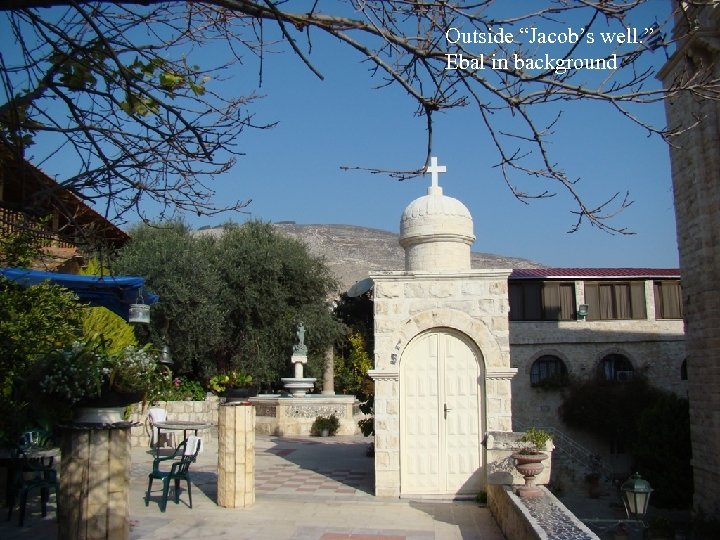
[529, 465]
[239, 394]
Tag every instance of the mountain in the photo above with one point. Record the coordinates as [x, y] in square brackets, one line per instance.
[351, 252]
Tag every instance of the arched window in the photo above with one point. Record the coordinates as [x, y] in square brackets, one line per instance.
[683, 370]
[616, 367]
[548, 370]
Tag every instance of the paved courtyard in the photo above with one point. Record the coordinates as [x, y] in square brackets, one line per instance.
[306, 489]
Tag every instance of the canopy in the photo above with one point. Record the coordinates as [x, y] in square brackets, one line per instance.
[113, 292]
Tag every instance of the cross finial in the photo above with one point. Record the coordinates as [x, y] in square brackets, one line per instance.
[434, 169]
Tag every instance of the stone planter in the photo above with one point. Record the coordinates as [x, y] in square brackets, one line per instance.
[99, 415]
[529, 465]
[239, 394]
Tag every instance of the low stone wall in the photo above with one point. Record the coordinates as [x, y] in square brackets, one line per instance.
[288, 416]
[196, 411]
[535, 518]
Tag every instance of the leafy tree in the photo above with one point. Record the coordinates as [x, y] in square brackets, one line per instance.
[271, 284]
[180, 267]
[115, 85]
[233, 302]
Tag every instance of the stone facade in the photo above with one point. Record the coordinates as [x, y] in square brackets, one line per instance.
[695, 161]
[407, 304]
[655, 349]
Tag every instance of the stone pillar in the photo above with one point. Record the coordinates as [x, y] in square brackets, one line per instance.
[236, 455]
[94, 482]
[695, 164]
[329, 373]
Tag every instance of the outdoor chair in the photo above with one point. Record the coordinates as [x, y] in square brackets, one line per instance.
[179, 461]
[31, 473]
[158, 414]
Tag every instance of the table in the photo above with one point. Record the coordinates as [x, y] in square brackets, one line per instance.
[179, 425]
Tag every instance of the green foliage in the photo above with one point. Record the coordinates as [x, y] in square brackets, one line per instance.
[167, 388]
[351, 372]
[322, 423]
[233, 379]
[537, 438]
[654, 425]
[180, 268]
[20, 247]
[663, 451]
[233, 303]
[115, 331]
[609, 409]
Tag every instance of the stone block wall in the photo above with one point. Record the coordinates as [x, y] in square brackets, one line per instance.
[695, 163]
[196, 411]
[290, 417]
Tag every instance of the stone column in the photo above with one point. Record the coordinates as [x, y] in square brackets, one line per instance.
[94, 483]
[236, 455]
[329, 373]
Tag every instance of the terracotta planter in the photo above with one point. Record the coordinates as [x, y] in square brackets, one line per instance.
[529, 465]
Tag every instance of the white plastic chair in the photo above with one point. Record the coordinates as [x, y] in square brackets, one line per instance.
[158, 414]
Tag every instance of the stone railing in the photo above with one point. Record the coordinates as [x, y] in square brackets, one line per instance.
[196, 411]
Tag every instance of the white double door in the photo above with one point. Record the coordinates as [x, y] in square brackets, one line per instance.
[440, 411]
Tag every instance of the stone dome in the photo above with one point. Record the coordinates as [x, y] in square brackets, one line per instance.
[436, 232]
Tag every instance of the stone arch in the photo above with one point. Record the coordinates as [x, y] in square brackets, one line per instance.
[475, 330]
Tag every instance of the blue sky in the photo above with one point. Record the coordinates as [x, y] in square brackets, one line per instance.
[292, 172]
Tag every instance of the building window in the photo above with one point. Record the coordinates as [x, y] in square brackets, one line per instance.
[616, 367]
[542, 301]
[668, 300]
[548, 370]
[618, 300]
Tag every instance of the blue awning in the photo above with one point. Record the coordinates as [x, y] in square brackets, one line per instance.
[113, 292]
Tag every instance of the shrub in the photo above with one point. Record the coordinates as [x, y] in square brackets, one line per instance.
[322, 423]
[537, 438]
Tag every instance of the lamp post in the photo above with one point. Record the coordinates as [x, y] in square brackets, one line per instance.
[636, 496]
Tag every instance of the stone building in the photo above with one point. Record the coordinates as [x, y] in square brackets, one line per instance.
[461, 352]
[442, 356]
[695, 162]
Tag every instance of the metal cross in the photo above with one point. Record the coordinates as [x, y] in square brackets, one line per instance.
[434, 169]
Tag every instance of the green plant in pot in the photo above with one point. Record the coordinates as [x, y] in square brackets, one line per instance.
[528, 461]
[233, 385]
[324, 426]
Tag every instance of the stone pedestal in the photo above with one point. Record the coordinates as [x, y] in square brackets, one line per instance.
[328, 388]
[236, 455]
[94, 482]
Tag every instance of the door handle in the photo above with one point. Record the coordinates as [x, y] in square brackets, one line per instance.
[445, 410]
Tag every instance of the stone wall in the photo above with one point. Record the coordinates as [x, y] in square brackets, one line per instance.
[196, 411]
[290, 417]
[695, 162]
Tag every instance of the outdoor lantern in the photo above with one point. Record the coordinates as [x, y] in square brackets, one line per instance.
[636, 496]
[139, 313]
[165, 357]
[582, 311]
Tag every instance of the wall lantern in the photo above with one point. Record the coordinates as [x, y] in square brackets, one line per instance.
[636, 496]
[139, 313]
[582, 312]
[165, 357]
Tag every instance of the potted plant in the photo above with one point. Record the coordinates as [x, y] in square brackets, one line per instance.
[325, 426]
[84, 377]
[528, 461]
[233, 385]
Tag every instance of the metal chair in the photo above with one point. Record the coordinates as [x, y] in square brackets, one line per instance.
[184, 455]
[32, 473]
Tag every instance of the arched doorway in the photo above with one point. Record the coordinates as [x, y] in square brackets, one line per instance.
[441, 411]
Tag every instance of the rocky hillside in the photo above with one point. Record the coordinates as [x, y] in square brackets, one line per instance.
[351, 251]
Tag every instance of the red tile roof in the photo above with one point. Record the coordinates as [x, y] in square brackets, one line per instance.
[624, 273]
